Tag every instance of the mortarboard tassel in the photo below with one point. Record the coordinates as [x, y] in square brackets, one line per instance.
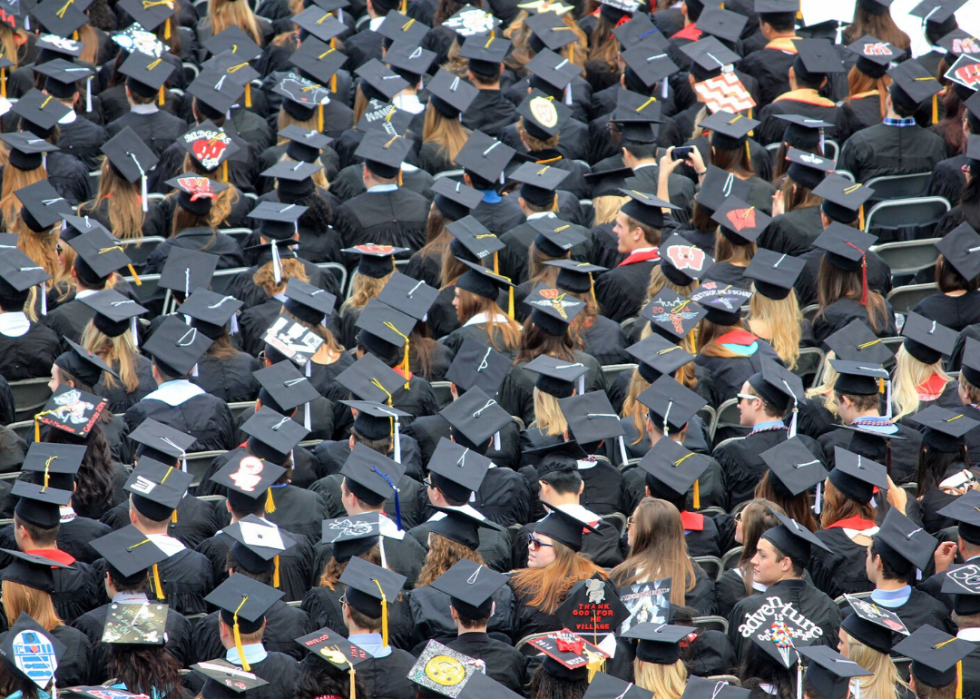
[44, 298]
[405, 364]
[166, 29]
[238, 636]
[270, 504]
[248, 95]
[622, 451]
[818, 506]
[173, 517]
[157, 587]
[935, 120]
[510, 302]
[799, 676]
[224, 171]
[748, 154]
[398, 506]
[397, 440]
[3, 82]
[353, 684]
[319, 118]
[160, 98]
[275, 574]
[384, 614]
[496, 263]
[959, 675]
[88, 96]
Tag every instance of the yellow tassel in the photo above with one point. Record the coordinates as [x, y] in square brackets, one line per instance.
[384, 614]
[353, 691]
[270, 504]
[74, 37]
[248, 95]
[37, 430]
[405, 364]
[136, 277]
[319, 118]
[160, 99]
[3, 82]
[748, 154]
[157, 587]
[935, 109]
[403, 11]
[333, 86]
[697, 495]
[592, 288]
[224, 171]
[275, 575]
[173, 517]
[496, 263]
[861, 217]
[377, 384]
[399, 182]
[238, 637]
[166, 29]
[510, 302]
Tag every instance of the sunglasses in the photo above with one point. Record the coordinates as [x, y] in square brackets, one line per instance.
[535, 544]
[745, 396]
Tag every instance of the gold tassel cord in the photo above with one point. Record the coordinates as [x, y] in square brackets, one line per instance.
[238, 637]
[377, 384]
[157, 586]
[384, 613]
[405, 365]
[47, 475]
[275, 575]
[270, 504]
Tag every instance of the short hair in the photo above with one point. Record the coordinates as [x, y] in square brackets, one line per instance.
[40, 535]
[972, 392]
[536, 144]
[780, 21]
[382, 446]
[564, 482]
[650, 234]
[889, 571]
[641, 151]
[266, 578]
[481, 79]
[362, 620]
[768, 408]
[467, 623]
[248, 639]
[924, 691]
[797, 568]
[860, 402]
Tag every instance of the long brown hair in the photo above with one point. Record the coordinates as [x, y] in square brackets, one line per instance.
[859, 83]
[437, 236]
[585, 319]
[334, 568]
[882, 27]
[448, 134]
[90, 44]
[223, 202]
[452, 269]
[799, 507]
[443, 554]
[796, 196]
[727, 251]
[8, 38]
[149, 670]
[537, 271]
[534, 343]
[756, 520]
[548, 587]
[470, 304]
[122, 199]
[834, 284]
[363, 289]
[265, 276]
[659, 550]
[223, 14]
[734, 161]
[14, 179]
[708, 334]
[837, 506]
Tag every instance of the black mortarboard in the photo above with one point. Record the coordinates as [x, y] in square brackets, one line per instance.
[39, 113]
[965, 510]
[720, 23]
[146, 75]
[383, 329]
[226, 681]
[475, 417]
[636, 114]
[451, 96]
[129, 553]
[371, 379]
[461, 524]
[177, 346]
[766, 6]
[722, 303]
[792, 539]
[322, 25]
[484, 156]
[671, 469]
[591, 417]
[778, 386]
[961, 249]
[30, 570]
[555, 237]
[308, 303]
[383, 154]
[557, 377]
[856, 343]
[575, 276]
[912, 84]
[330, 647]
[872, 625]
[551, 31]
[83, 364]
[137, 624]
[934, 655]
[376, 261]
[39, 505]
[552, 311]
[482, 281]
[857, 477]
[874, 55]
[829, 672]
[62, 76]
[43, 207]
[100, 254]
[568, 656]
[741, 223]
[304, 144]
[27, 152]
[370, 587]
[318, 60]
[808, 169]
[700, 688]
[564, 528]
[605, 686]
[858, 378]
[963, 583]
[72, 411]
[476, 238]
[375, 420]
[816, 59]
[658, 643]
[372, 476]
[161, 442]
[55, 464]
[454, 199]
[300, 96]
[927, 340]
[409, 60]
[129, 155]
[459, 470]
[233, 39]
[243, 602]
[553, 69]
[478, 366]
[657, 356]
[970, 370]
[149, 17]
[352, 535]
[682, 262]
[273, 435]
[645, 208]
[31, 652]
[157, 489]
[543, 117]
[936, 11]
[210, 312]
[409, 296]
[648, 62]
[401, 28]
[708, 56]
[843, 200]
[718, 185]
[247, 479]
[844, 247]
[258, 544]
[806, 134]
[471, 588]
[944, 430]
[485, 53]
[469, 21]
[794, 466]
[773, 273]
[60, 19]
[899, 537]
[113, 311]
[671, 404]
[378, 81]
[639, 27]
[729, 131]
[78, 225]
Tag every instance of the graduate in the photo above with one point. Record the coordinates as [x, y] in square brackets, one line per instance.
[484, 160]
[145, 85]
[771, 64]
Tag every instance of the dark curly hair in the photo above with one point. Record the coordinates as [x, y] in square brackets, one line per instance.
[145, 668]
[93, 482]
[318, 678]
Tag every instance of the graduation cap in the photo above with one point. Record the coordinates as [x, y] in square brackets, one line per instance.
[485, 53]
[718, 185]
[284, 387]
[843, 203]
[243, 603]
[319, 61]
[720, 23]
[471, 588]
[39, 505]
[462, 524]
[960, 43]
[485, 282]
[407, 295]
[114, 313]
[656, 355]
[708, 57]
[963, 583]
[301, 97]
[552, 69]
[161, 442]
[728, 131]
[42, 207]
[235, 40]
[550, 31]
[767, 6]
[567, 655]
[470, 21]
[32, 653]
[912, 85]
[934, 655]
[146, 75]
[293, 339]
[330, 647]
[874, 56]
[856, 343]
[792, 539]
[209, 145]
[965, 510]
[859, 378]
[39, 112]
[371, 588]
[773, 273]
[645, 208]
[308, 303]
[829, 672]
[900, 539]
[451, 96]
[30, 570]
[658, 643]
[60, 19]
[564, 527]
[27, 152]
[136, 38]
[555, 237]
[409, 60]
[474, 418]
[648, 62]
[857, 477]
[210, 312]
[400, 28]
[136, 624]
[273, 437]
[383, 154]
[485, 157]
[592, 608]
[937, 12]
[536, 7]
[927, 340]
[186, 270]
[258, 545]
[558, 457]
[177, 347]
[478, 366]
[605, 686]
[635, 115]
[844, 247]
[816, 59]
[50, 45]
[630, 33]
[63, 77]
[671, 404]
[373, 477]
[553, 311]
[304, 144]
[226, 681]
[385, 330]
[808, 169]
[247, 478]
[196, 194]
[700, 688]
[150, 17]
[683, 263]
[371, 379]
[871, 624]
[454, 199]
[443, 671]
[55, 464]
[794, 467]
[383, 83]
[722, 303]
[961, 249]
[944, 430]
[84, 365]
[377, 421]
[352, 535]
[672, 471]
[542, 116]
[99, 254]
[970, 370]
[741, 223]
[780, 387]
[575, 276]
[322, 25]
[591, 418]
[157, 488]
[70, 410]
[476, 238]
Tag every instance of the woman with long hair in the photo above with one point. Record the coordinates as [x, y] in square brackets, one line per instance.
[737, 583]
[317, 239]
[796, 220]
[869, 644]
[957, 305]
[230, 207]
[553, 383]
[796, 505]
[452, 202]
[728, 352]
[844, 296]
[774, 313]
[734, 249]
[443, 136]
[602, 67]
[874, 19]
[143, 665]
[554, 565]
[330, 359]
[967, 210]
[591, 332]
[658, 666]
[40, 240]
[481, 318]
[658, 550]
[374, 268]
[730, 152]
[943, 472]
[807, 137]
[192, 228]
[918, 379]
[223, 14]
[547, 246]
[21, 169]
[867, 85]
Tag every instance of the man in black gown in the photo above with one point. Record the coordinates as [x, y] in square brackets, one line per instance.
[157, 128]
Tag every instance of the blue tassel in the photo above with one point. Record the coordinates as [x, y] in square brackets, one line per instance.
[398, 508]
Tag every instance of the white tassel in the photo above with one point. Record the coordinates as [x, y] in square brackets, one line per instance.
[44, 298]
[381, 547]
[308, 363]
[888, 399]
[306, 417]
[496, 441]
[88, 96]
[183, 463]
[132, 329]
[663, 89]
[234, 324]
[568, 95]
[194, 371]
[340, 14]
[143, 195]
[581, 385]
[398, 443]
[276, 262]
[818, 505]
[622, 450]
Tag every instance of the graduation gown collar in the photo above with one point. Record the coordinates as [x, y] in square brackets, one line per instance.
[641, 255]
[176, 392]
[692, 521]
[784, 44]
[54, 554]
[690, 32]
[806, 96]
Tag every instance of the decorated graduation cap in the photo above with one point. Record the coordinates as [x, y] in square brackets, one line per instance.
[39, 505]
[54, 464]
[370, 589]
[30, 570]
[553, 311]
[129, 554]
[808, 169]
[210, 146]
[136, 38]
[470, 21]
[672, 470]
[83, 364]
[473, 242]
[657, 356]
[792, 539]
[856, 476]
[459, 471]
[157, 489]
[829, 672]
[874, 56]
[934, 654]
[722, 303]
[543, 117]
[959, 43]
[352, 535]
[718, 185]
[484, 158]
[478, 366]
[475, 417]
[462, 525]
[963, 583]
[592, 609]
[226, 680]
[177, 347]
[944, 430]
[682, 262]
[927, 340]
[70, 410]
[899, 539]
[569, 656]
[872, 624]
[196, 194]
[564, 528]
[376, 261]
[301, 97]
[965, 510]
[912, 85]
[443, 671]
[961, 249]
[330, 647]
[793, 468]
[773, 274]
[258, 545]
[243, 603]
[247, 479]
[32, 653]
[741, 223]
[373, 477]
[485, 53]
[142, 624]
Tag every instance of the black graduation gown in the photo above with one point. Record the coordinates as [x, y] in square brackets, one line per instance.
[889, 150]
[603, 548]
[195, 520]
[298, 511]
[622, 290]
[860, 113]
[517, 393]
[797, 598]
[75, 587]
[478, 331]
[408, 498]
[972, 438]
[69, 177]
[726, 273]
[921, 609]
[843, 569]
[74, 538]
[254, 322]
[281, 671]
[489, 112]
[724, 376]
[417, 400]
[770, 67]
[387, 676]
[606, 340]
[395, 217]
[295, 566]
[228, 378]
[442, 314]
[200, 238]
[157, 130]
[30, 355]
[83, 139]
[69, 320]
[904, 453]
[844, 311]
[955, 312]
[204, 416]
[92, 624]
[743, 466]
[513, 259]
[792, 233]
[432, 620]
[330, 456]
[879, 276]
[505, 664]
[729, 591]
[426, 268]
[494, 545]
[802, 102]
[971, 674]
[186, 581]
[500, 216]
[947, 179]
[932, 586]
[322, 605]
[282, 624]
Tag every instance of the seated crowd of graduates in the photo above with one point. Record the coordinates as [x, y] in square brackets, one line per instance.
[374, 291]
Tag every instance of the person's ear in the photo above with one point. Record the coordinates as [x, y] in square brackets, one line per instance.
[581, 487]
[823, 82]
[453, 612]
[684, 9]
[647, 488]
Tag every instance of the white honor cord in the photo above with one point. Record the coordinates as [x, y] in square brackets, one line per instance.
[306, 417]
[381, 547]
[622, 450]
[276, 263]
[44, 298]
[398, 443]
[799, 676]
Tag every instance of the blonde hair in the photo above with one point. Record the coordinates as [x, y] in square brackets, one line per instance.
[781, 320]
[14, 179]
[363, 289]
[828, 377]
[633, 408]
[222, 204]
[908, 375]
[548, 416]
[549, 586]
[665, 681]
[606, 207]
[448, 134]
[10, 50]
[112, 349]
[286, 119]
[265, 279]
[42, 248]
[122, 200]
[233, 13]
[319, 177]
[19, 598]
[659, 282]
[884, 681]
